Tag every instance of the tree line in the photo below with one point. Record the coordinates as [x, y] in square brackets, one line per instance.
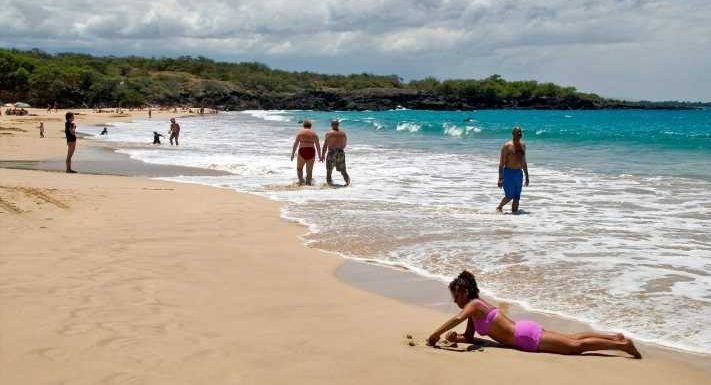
[76, 80]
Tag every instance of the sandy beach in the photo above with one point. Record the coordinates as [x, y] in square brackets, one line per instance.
[108, 279]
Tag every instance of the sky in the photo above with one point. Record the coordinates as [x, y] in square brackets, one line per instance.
[633, 49]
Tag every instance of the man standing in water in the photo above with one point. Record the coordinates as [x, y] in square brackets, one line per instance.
[305, 141]
[174, 131]
[335, 144]
[512, 166]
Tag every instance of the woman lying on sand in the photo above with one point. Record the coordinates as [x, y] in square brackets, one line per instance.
[528, 336]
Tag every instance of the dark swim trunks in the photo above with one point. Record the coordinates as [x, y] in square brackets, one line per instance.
[513, 182]
[336, 158]
[307, 153]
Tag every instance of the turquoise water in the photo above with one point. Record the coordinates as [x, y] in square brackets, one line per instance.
[659, 143]
[615, 224]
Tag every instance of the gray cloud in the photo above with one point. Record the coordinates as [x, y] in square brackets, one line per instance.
[654, 49]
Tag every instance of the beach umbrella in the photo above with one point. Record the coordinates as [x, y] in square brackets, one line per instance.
[22, 105]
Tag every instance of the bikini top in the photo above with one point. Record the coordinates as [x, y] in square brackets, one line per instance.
[482, 325]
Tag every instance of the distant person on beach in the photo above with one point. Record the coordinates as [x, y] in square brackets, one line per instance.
[41, 129]
[105, 131]
[156, 137]
[174, 131]
[150, 113]
[512, 167]
[527, 336]
[334, 145]
[70, 130]
[307, 142]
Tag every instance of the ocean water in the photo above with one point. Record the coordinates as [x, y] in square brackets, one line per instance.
[615, 228]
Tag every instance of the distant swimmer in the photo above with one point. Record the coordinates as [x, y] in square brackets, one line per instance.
[307, 142]
[105, 131]
[334, 145]
[174, 131]
[512, 166]
[156, 137]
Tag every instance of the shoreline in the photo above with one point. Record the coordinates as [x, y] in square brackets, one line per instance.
[409, 287]
[360, 310]
[562, 322]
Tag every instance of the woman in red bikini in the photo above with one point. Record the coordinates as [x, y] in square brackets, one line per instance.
[527, 336]
[307, 143]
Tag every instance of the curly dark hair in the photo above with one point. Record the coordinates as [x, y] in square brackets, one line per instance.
[69, 115]
[465, 280]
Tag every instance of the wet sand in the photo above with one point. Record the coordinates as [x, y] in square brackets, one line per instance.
[409, 287]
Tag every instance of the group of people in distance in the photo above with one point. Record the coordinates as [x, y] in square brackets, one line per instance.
[70, 130]
[15, 111]
[308, 146]
[174, 133]
[512, 161]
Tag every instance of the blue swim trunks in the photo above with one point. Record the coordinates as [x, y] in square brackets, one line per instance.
[513, 181]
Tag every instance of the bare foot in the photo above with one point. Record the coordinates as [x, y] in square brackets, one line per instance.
[632, 350]
[499, 210]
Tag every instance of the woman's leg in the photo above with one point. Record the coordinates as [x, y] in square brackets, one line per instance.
[70, 152]
[309, 170]
[607, 336]
[300, 162]
[552, 342]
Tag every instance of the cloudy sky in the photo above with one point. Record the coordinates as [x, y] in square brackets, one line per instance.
[637, 49]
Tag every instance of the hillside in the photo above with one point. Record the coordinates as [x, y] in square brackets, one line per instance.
[74, 80]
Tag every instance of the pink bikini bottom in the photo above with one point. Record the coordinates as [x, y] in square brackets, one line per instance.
[527, 336]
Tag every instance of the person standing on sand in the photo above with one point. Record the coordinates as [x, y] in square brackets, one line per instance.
[150, 113]
[335, 143]
[527, 336]
[512, 166]
[174, 131]
[307, 142]
[70, 130]
[41, 129]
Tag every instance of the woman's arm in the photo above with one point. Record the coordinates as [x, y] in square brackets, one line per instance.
[325, 146]
[467, 337]
[524, 163]
[293, 149]
[467, 312]
[318, 150]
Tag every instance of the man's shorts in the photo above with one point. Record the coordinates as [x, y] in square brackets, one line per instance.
[336, 158]
[513, 182]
